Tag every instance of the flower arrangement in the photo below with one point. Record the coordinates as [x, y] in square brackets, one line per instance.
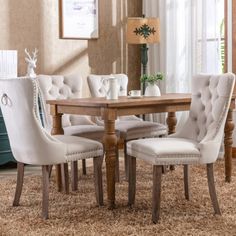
[151, 79]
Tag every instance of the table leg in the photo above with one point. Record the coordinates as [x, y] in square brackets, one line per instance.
[57, 129]
[110, 142]
[171, 121]
[228, 141]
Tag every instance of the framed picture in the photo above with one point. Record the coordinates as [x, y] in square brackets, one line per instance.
[78, 19]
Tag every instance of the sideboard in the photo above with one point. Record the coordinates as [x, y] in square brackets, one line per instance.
[5, 149]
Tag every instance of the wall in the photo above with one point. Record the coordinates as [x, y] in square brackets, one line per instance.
[34, 23]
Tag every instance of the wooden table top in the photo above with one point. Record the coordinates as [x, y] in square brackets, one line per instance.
[170, 98]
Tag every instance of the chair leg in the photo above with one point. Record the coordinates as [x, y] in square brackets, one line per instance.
[74, 175]
[84, 167]
[117, 166]
[164, 169]
[50, 171]
[131, 179]
[58, 178]
[97, 164]
[156, 193]
[19, 183]
[45, 183]
[65, 177]
[186, 182]
[126, 161]
[172, 167]
[212, 190]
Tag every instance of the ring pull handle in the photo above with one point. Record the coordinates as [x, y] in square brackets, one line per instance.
[4, 99]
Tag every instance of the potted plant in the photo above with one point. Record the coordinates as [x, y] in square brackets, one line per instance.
[150, 82]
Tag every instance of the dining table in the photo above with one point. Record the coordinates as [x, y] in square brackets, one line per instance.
[111, 110]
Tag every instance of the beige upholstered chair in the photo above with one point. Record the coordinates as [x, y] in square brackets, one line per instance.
[130, 127]
[35, 146]
[197, 143]
[63, 87]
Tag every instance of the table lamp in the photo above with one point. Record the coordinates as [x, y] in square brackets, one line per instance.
[141, 30]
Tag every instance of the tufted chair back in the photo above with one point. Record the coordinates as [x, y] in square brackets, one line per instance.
[97, 90]
[211, 96]
[30, 143]
[62, 87]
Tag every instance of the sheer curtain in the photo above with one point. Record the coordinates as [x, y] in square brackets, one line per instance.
[189, 43]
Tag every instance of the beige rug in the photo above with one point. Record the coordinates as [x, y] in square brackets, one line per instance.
[77, 213]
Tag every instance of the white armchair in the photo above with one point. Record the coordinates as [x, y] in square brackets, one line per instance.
[65, 87]
[130, 127]
[35, 146]
[198, 142]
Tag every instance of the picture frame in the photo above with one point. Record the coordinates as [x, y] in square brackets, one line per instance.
[78, 19]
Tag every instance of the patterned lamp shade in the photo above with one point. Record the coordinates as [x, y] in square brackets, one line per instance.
[142, 30]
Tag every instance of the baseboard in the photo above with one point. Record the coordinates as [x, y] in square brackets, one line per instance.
[234, 152]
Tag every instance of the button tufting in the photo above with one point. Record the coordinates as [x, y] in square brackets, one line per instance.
[199, 95]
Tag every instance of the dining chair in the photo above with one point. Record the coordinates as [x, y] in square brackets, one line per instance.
[130, 127]
[66, 87]
[198, 142]
[35, 146]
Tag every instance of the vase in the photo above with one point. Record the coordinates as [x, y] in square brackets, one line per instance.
[152, 90]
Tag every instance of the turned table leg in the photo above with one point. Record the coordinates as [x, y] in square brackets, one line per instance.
[228, 141]
[110, 143]
[171, 121]
[57, 129]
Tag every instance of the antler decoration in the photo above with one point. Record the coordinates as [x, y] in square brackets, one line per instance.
[35, 53]
[31, 62]
[27, 53]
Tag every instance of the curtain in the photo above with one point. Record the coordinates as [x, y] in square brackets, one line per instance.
[189, 42]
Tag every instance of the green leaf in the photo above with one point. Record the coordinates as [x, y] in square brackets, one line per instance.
[152, 79]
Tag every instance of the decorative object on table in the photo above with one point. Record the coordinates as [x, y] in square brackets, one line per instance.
[8, 69]
[111, 87]
[78, 19]
[150, 84]
[31, 63]
[134, 93]
[141, 30]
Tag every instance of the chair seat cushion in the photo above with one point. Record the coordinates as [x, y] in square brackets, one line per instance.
[165, 151]
[80, 148]
[133, 129]
[94, 132]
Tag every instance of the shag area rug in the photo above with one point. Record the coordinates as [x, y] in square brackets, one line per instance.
[78, 214]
